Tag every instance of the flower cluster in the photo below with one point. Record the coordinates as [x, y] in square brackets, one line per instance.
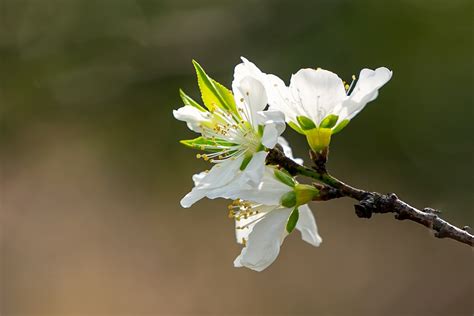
[238, 128]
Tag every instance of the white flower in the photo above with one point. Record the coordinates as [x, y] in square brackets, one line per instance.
[235, 129]
[263, 234]
[318, 103]
[265, 215]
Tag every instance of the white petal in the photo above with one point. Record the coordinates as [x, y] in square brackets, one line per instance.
[369, 82]
[253, 173]
[288, 151]
[274, 125]
[222, 173]
[263, 244]
[268, 191]
[319, 91]
[192, 197]
[280, 98]
[198, 177]
[252, 92]
[192, 116]
[307, 226]
[245, 69]
[244, 226]
[366, 90]
[270, 136]
[278, 94]
[209, 183]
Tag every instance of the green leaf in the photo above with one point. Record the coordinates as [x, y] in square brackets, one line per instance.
[305, 122]
[329, 121]
[284, 178]
[288, 199]
[292, 220]
[206, 143]
[214, 95]
[188, 101]
[296, 128]
[340, 126]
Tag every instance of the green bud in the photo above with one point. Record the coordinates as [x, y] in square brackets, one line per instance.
[292, 220]
[284, 178]
[288, 199]
[305, 193]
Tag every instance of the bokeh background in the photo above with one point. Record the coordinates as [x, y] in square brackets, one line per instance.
[92, 171]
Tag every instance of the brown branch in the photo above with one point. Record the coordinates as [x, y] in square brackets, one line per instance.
[369, 202]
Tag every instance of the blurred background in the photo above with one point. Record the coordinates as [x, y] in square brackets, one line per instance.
[92, 171]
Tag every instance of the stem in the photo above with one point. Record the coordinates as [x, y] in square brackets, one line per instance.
[370, 202]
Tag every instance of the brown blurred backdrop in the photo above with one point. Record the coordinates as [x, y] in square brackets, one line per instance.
[92, 172]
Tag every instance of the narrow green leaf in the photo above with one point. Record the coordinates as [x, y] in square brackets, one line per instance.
[305, 123]
[226, 95]
[329, 121]
[284, 178]
[207, 144]
[340, 126]
[214, 95]
[188, 101]
[292, 220]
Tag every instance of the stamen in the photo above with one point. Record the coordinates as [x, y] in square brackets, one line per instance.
[349, 89]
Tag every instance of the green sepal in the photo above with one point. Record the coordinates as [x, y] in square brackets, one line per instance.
[305, 193]
[284, 178]
[202, 143]
[187, 100]
[260, 130]
[292, 220]
[288, 199]
[340, 126]
[296, 128]
[245, 162]
[305, 123]
[214, 95]
[329, 121]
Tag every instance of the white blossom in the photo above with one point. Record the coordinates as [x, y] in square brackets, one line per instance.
[317, 102]
[235, 131]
